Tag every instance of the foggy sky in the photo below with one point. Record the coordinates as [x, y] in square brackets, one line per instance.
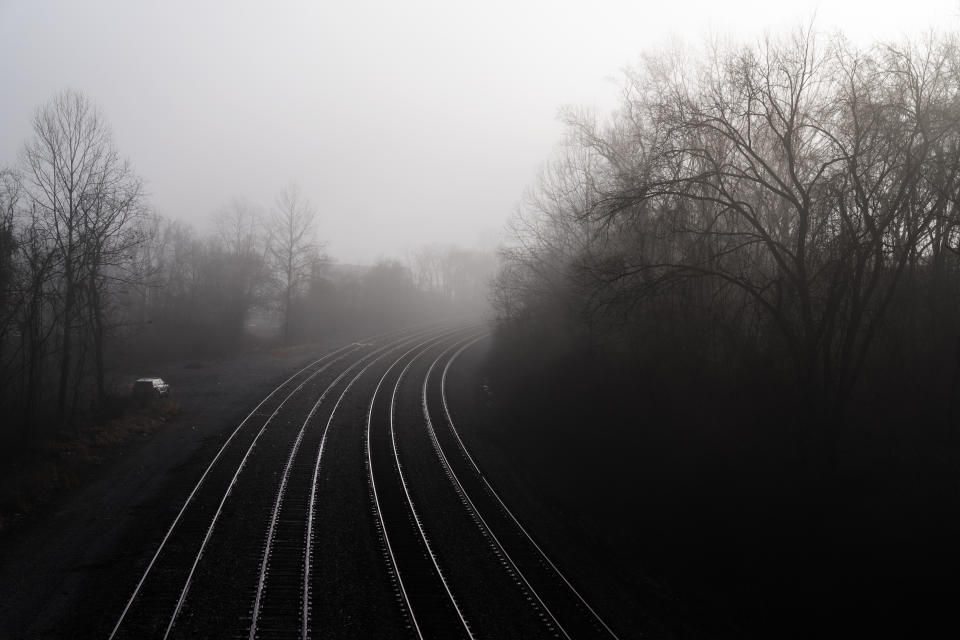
[405, 122]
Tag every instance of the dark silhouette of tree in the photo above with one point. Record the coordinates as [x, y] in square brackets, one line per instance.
[775, 197]
[86, 198]
[239, 240]
[292, 248]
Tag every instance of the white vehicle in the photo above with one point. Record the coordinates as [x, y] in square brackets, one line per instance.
[146, 389]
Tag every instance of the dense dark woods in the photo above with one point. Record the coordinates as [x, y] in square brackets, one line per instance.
[749, 280]
[94, 285]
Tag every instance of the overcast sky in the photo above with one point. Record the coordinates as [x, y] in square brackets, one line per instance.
[405, 122]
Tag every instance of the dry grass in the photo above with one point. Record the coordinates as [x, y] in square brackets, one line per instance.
[34, 473]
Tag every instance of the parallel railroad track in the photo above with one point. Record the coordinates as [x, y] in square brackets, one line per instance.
[432, 608]
[274, 540]
[570, 611]
[287, 554]
[159, 596]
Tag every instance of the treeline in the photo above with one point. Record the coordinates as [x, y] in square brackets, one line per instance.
[69, 226]
[733, 309]
[779, 219]
[91, 280]
[246, 283]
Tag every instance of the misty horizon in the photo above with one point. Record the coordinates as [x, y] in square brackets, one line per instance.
[404, 124]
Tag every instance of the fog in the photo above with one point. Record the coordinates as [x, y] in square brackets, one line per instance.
[405, 123]
[685, 276]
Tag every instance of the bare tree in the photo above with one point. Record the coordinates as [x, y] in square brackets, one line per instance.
[9, 201]
[242, 250]
[452, 273]
[85, 197]
[10, 298]
[780, 192]
[237, 228]
[803, 176]
[292, 248]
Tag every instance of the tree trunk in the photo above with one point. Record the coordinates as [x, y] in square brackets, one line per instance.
[66, 345]
[96, 321]
[286, 316]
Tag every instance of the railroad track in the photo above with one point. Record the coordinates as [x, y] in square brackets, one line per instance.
[458, 538]
[421, 585]
[158, 600]
[288, 550]
[574, 616]
[347, 505]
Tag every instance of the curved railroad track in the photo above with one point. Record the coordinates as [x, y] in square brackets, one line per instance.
[346, 505]
[575, 613]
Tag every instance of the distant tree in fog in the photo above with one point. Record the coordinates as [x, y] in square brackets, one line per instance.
[240, 239]
[238, 227]
[292, 248]
[457, 275]
[195, 293]
[388, 292]
[90, 281]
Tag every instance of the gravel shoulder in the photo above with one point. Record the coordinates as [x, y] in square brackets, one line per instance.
[50, 563]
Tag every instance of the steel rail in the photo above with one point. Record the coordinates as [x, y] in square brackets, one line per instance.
[226, 494]
[462, 493]
[496, 496]
[261, 581]
[219, 453]
[293, 452]
[313, 493]
[406, 491]
[223, 500]
[376, 499]
[206, 472]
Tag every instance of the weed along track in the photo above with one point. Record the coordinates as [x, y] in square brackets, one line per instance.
[345, 505]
